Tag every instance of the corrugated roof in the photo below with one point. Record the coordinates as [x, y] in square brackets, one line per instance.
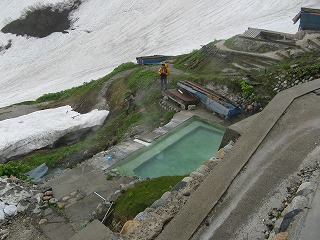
[251, 33]
[255, 32]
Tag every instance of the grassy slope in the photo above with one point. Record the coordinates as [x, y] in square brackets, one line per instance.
[203, 66]
[137, 199]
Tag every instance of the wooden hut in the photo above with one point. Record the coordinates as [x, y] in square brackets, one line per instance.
[309, 19]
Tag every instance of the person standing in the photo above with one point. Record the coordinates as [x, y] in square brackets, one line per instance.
[129, 100]
[164, 72]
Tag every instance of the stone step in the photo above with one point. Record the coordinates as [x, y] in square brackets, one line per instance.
[169, 106]
[95, 230]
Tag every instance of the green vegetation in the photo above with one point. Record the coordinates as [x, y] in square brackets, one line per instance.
[247, 89]
[303, 71]
[117, 127]
[81, 91]
[201, 61]
[137, 199]
[203, 66]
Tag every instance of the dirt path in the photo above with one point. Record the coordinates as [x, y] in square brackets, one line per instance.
[100, 102]
[271, 55]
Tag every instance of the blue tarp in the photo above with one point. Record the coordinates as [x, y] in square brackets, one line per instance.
[226, 109]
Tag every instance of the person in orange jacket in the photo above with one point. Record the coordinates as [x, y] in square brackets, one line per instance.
[164, 72]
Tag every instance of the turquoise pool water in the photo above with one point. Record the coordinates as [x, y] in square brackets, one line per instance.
[179, 152]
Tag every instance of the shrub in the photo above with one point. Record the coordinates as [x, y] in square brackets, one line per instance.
[247, 89]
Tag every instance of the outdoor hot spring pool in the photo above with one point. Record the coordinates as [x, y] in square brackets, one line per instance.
[179, 152]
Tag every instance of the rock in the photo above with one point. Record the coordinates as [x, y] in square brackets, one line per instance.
[116, 194]
[196, 174]
[288, 218]
[127, 186]
[73, 194]
[281, 236]
[36, 210]
[46, 198]
[305, 185]
[304, 192]
[229, 146]
[61, 204]
[273, 213]
[149, 210]
[66, 198]
[72, 200]
[43, 221]
[158, 203]
[203, 169]
[300, 202]
[206, 222]
[48, 211]
[266, 234]
[44, 205]
[271, 236]
[220, 153]
[129, 226]
[53, 200]
[277, 225]
[191, 107]
[48, 193]
[80, 196]
[2, 205]
[142, 216]
[10, 210]
[22, 206]
[187, 179]
[166, 195]
[4, 232]
[186, 193]
[179, 186]
[2, 216]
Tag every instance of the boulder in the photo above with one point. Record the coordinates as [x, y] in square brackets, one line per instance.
[158, 203]
[281, 236]
[10, 210]
[196, 174]
[129, 226]
[142, 216]
[203, 169]
[220, 153]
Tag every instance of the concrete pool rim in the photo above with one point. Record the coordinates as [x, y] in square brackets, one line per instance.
[186, 124]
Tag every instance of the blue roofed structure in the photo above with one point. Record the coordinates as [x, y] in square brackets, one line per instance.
[309, 19]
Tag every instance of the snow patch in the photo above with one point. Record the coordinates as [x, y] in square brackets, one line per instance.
[43, 128]
[108, 33]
